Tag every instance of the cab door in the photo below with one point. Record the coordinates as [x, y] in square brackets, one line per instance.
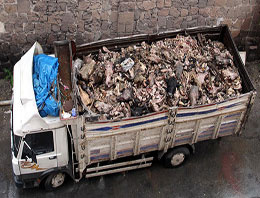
[38, 152]
[62, 147]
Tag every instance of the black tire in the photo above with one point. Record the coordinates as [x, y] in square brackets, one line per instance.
[176, 157]
[54, 181]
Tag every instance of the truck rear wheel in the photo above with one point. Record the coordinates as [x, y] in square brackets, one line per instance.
[176, 157]
[54, 181]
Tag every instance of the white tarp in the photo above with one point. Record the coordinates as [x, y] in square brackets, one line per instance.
[25, 113]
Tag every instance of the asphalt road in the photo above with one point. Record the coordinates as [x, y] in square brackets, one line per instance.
[226, 168]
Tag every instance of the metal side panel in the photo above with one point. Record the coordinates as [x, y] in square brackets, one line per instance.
[207, 128]
[122, 145]
[184, 132]
[211, 110]
[209, 121]
[115, 139]
[150, 139]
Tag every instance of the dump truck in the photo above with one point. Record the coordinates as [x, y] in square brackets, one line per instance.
[46, 150]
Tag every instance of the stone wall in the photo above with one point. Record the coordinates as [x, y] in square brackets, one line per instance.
[22, 22]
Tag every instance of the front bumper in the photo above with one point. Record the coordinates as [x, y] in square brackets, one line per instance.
[17, 180]
[25, 183]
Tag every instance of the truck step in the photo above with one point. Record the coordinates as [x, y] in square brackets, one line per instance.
[119, 167]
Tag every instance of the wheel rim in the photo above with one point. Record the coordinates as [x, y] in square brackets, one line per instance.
[58, 180]
[177, 159]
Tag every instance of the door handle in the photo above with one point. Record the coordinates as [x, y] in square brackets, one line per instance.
[52, 157]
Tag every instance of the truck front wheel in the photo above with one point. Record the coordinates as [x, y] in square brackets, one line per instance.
[54, 181]
[176, 157]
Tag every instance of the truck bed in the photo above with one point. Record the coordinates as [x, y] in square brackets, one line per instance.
[163, 130]
[110, 140]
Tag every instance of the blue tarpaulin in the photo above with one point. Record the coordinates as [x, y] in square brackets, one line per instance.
[45, 70]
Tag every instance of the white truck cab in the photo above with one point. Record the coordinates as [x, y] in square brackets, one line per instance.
[39, 145]
[38, 152]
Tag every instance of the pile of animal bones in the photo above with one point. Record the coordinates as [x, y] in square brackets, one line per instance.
[183, 71]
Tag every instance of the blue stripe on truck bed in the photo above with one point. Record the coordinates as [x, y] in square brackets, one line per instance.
[99, 157]
[125, 151]
[233, 115]
[129, 125]
[148, 147]
[162, 118]
[206, 112]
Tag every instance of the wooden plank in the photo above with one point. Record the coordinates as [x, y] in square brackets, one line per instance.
[243, 56]
[249, 106]
[174, 132]
[113, 147]
[137, 143]
[217, 127]
[162, 135]
[240, 122]
[195, 133]
[5, 102]
[87, 152]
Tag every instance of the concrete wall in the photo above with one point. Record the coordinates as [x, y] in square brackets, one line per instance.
[22, 22]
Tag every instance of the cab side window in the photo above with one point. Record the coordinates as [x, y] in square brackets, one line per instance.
[39, 143]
